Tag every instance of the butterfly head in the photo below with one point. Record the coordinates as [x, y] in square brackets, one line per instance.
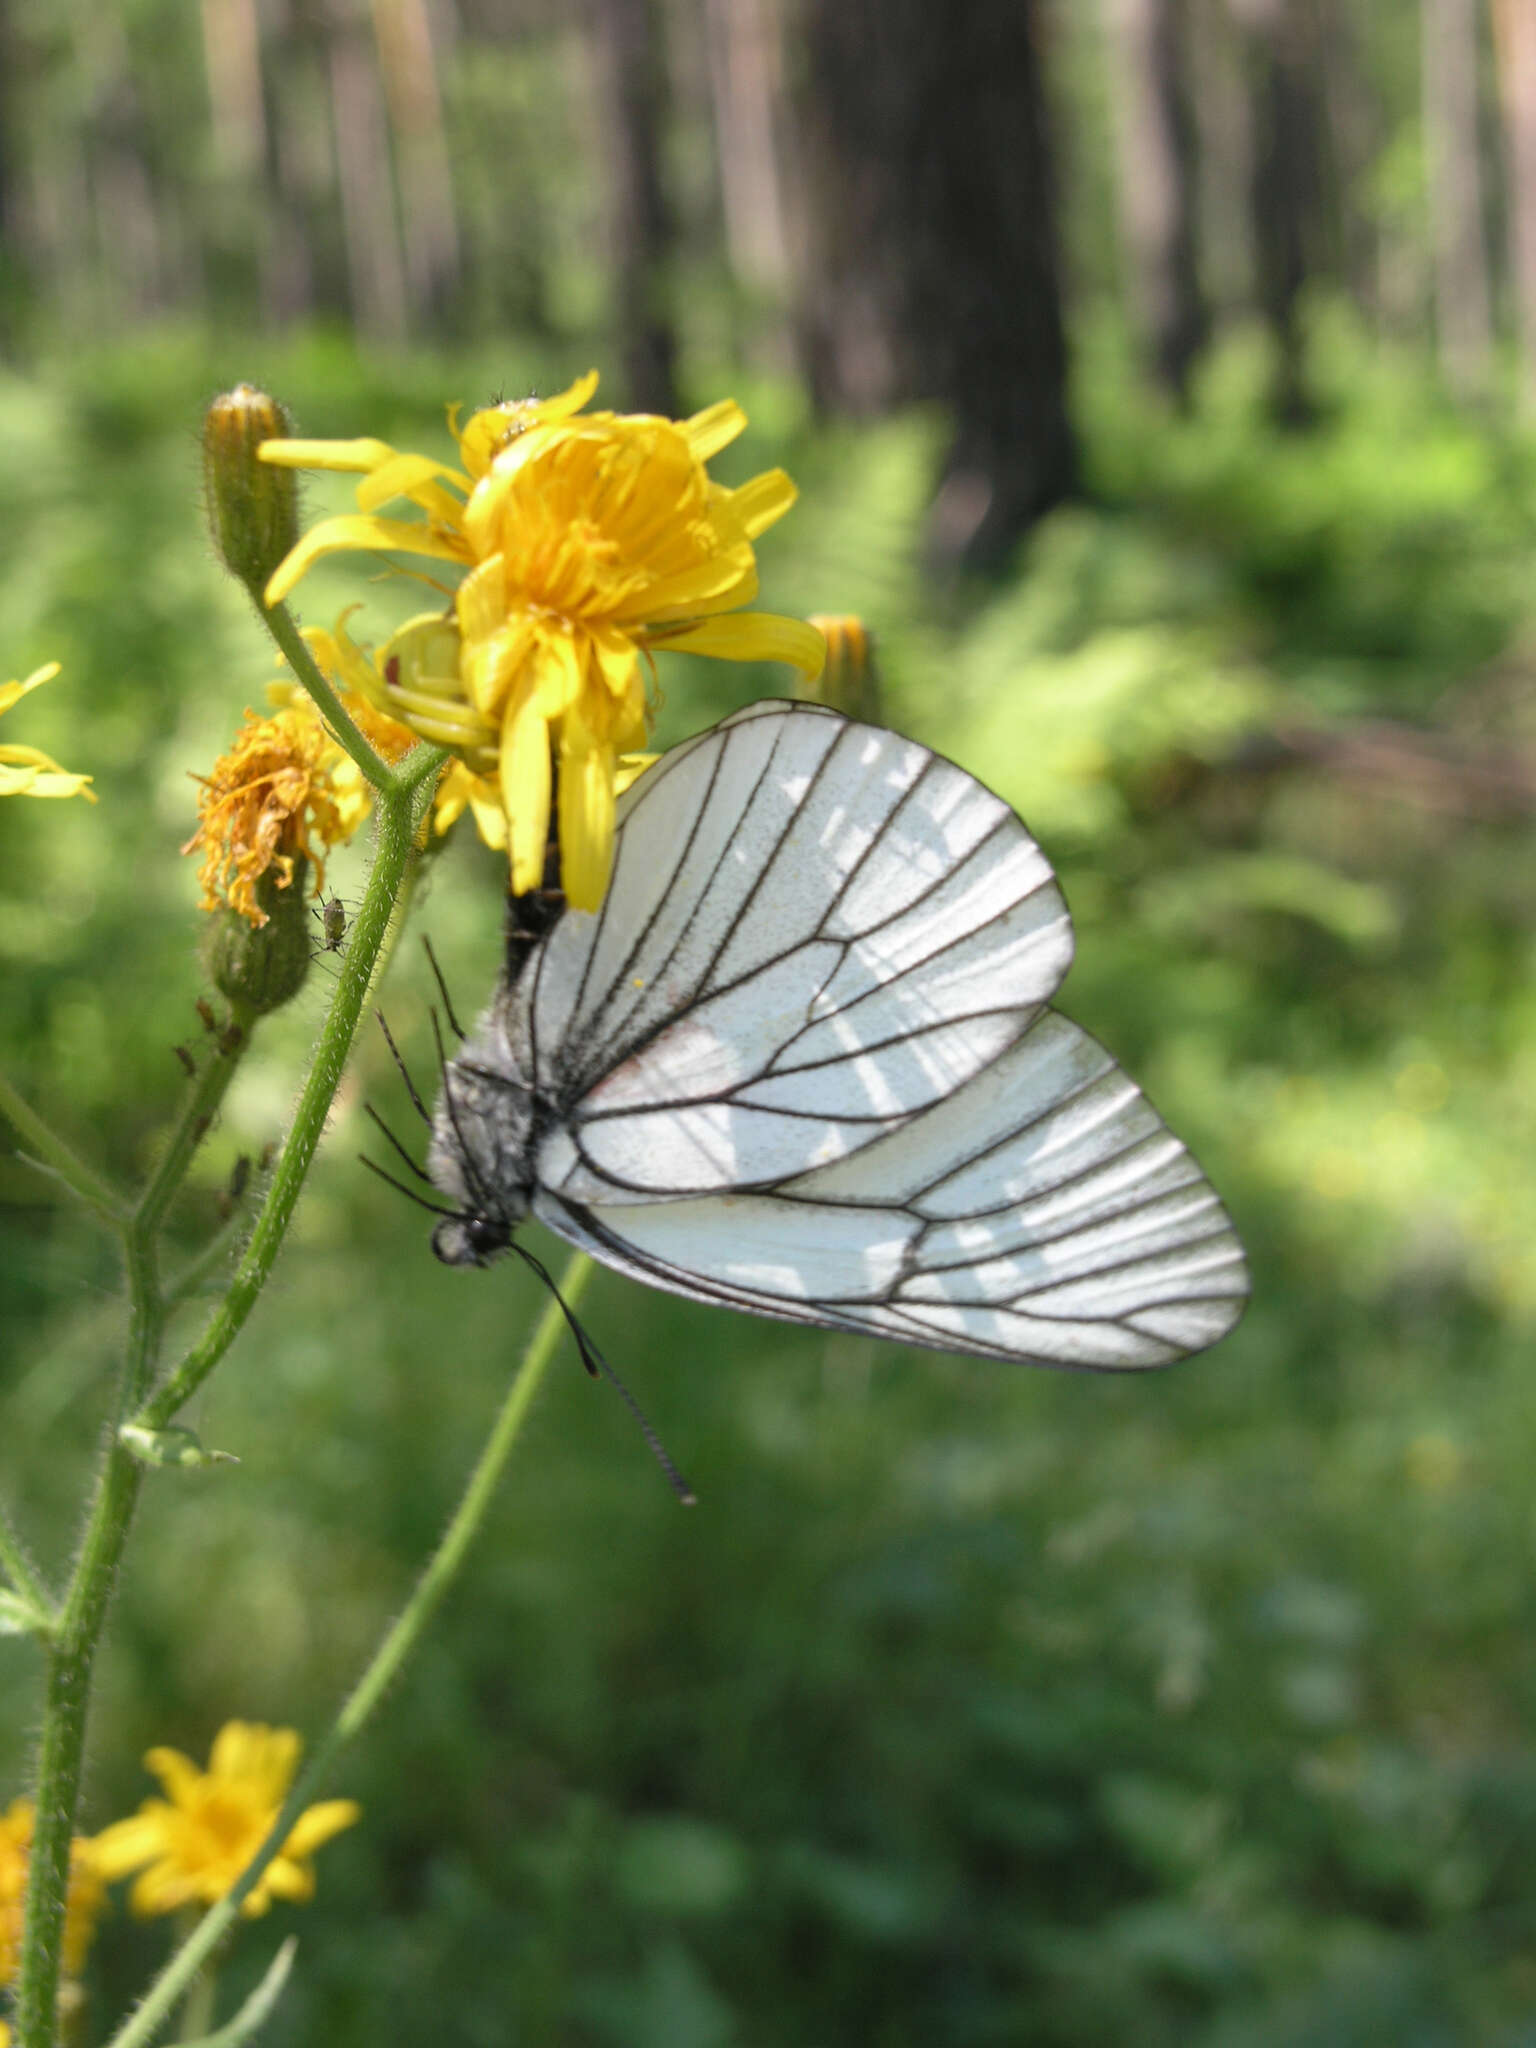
[471, 1240]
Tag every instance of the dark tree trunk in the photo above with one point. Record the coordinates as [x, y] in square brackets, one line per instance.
[1155, 132]
[933, 270]
[631, 95]
[1286, 186]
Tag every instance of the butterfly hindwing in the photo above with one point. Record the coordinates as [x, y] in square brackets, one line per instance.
[1043, 1212]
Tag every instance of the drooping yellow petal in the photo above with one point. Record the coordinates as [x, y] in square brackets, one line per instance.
[357, 530]
[526, 776]
[28, 771]
[586, 813]
[748, 636]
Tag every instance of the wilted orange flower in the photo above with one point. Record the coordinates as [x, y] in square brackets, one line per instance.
[285, 789]
[197, 1841]
[587, 541]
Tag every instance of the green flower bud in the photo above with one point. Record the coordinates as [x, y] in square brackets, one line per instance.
[173, 1446]
[253, 508]
[262, 966]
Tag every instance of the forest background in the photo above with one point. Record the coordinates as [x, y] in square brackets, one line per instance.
[1161, 381]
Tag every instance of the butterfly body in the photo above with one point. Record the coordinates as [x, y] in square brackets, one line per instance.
[801, 1062]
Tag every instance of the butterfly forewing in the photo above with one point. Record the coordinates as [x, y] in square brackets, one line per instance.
[763, 953]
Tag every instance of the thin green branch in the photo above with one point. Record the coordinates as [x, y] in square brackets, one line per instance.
[19, 1570]
[60, 1159]
[279, 622]
[383, 1667]
[192, 1126]
[213, 1254]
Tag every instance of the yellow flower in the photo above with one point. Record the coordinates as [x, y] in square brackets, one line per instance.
[28, 771]
[197, 1841]
[848, 682]
[83, 1904]
[284, 789]
[587, 541]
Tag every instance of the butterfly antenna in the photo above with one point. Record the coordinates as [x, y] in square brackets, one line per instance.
[400, 1188]
[442, 988]
[405, 1072]
[595, 1363]
[419, 1171]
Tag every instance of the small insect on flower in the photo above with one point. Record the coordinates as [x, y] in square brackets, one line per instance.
[802, 1062]
[332, 914]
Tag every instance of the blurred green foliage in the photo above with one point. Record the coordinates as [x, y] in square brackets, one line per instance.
[972, 1705]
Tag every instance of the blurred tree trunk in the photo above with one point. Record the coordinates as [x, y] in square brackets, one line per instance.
[408, 62]
[1449, 91]
[745, 82]
[1223, 154]
[1515, 33]
[236, 228]
[631, 93]
[1285, 193]
[933, 268]
[1156, 162]
[375, 269]
[14, 266]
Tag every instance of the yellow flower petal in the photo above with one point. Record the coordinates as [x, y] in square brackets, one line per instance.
[317, 1824]
[762, 500]
[355, 530]
[338, 455]
[12, 693]
[714, 428]
[586, 815]
[749, 636]
[27, 771]
[526, 778]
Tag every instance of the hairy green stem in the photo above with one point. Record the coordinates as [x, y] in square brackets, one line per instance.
[397, 819]
[398, 1641]
[77, 1629]
[279, 622]
[60, 1159]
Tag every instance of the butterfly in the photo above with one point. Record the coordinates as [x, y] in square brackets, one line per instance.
[801, 1062]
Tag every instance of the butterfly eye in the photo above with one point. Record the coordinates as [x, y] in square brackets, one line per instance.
[470, 1240]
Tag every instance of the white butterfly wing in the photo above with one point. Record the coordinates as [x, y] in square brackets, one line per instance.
[1042, 1212]
[815, 931]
